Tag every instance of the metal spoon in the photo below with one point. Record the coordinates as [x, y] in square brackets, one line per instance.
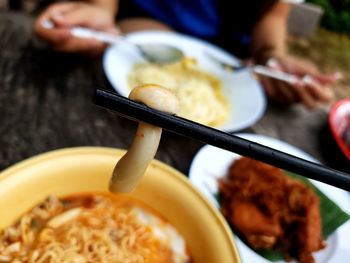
[152, 52]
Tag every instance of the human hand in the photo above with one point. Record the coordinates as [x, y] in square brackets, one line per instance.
[311, 88]
[67, 15]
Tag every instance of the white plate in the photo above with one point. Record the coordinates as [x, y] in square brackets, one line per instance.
[244, 92]
[211, 163]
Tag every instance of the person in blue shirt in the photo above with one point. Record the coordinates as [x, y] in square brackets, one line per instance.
[253, 29]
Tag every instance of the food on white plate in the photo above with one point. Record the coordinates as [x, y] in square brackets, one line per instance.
[271, 210]
[199, 92]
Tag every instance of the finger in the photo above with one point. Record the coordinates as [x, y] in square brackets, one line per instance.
[64, 7]
[113, 30]
[86, 46]
[278, 91]
[70, 19]
[302, 69]
[286, 91]
[80, 15]
[54, 35]
[56, 9]
[320, 93]
[274, 64]
[305, 97]
[327, 79]
[293, 65]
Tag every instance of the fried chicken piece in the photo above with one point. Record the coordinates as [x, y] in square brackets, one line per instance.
[261, 232]
[303, 202]
[271, 210]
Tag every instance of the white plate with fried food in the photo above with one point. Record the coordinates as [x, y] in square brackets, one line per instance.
[211, 164]
[229, 101]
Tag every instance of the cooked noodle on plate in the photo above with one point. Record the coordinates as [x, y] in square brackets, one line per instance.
[199, 93]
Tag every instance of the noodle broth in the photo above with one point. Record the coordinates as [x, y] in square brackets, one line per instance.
[98, 227]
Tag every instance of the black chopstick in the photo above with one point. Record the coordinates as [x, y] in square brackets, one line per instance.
[227, 141]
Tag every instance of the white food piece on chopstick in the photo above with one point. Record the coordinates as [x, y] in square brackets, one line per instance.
[133, 164]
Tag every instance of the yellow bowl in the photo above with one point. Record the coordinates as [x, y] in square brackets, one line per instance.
[86, 169]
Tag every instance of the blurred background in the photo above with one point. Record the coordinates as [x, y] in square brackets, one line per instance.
[319, 30]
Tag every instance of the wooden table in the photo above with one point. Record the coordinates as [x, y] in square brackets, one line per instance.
[45, 104]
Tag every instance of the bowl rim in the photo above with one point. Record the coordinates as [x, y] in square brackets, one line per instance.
[82, 150]
[331, 117]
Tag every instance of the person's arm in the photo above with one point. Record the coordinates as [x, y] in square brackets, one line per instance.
[311, 88]
[269, 34]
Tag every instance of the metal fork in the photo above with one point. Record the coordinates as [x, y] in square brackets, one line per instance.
[261, 70]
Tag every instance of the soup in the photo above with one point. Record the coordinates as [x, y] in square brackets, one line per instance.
[92, 228]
